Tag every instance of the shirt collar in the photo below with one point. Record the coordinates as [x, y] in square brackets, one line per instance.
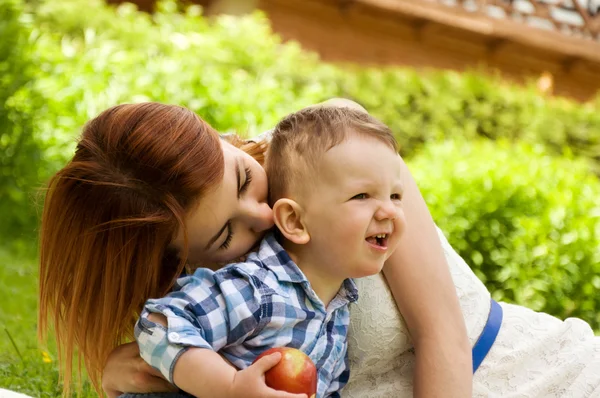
[349, 291]
[274, 257]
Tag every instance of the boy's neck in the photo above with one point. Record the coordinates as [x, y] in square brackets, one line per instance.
[326, 287]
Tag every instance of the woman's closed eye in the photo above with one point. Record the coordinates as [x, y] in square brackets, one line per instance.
[242, 189]
[227, 241]
[246, 184]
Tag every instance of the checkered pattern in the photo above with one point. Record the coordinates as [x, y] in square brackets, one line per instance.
[246, 308]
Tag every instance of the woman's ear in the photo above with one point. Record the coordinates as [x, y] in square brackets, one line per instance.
[287, 215]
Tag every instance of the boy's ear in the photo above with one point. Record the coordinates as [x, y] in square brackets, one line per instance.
[287, 215]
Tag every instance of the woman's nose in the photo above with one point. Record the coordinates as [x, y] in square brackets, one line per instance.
[258, 215]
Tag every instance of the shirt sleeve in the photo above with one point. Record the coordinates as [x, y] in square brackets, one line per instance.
[205, 310]
[340, 377]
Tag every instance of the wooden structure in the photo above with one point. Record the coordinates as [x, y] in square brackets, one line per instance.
[558, 40]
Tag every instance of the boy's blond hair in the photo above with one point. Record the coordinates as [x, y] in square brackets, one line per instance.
[301, 138]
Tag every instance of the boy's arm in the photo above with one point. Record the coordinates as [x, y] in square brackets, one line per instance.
[201, 371]
[222, 381]
[419, 278]
[197, 317]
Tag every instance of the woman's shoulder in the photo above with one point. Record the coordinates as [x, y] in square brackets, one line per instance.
[263, 137]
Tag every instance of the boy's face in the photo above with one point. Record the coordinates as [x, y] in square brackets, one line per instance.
[353, 210]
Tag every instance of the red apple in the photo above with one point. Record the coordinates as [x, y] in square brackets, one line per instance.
[295, 373]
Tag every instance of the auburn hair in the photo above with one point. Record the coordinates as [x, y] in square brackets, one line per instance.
[108, 220]
[301, 138]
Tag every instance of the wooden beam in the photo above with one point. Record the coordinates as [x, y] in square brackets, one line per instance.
[423, 28]
[570, 64]
[371, 36]
[456, 17]
[494, 46]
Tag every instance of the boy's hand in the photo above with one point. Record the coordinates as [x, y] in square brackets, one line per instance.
[250, 382]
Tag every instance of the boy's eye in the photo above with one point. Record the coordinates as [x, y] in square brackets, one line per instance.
[360, 196]
[396, 196]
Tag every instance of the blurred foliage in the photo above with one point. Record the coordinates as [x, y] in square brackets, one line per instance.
[527, 223]
[20, 153]
[424, 108]
[236, 74]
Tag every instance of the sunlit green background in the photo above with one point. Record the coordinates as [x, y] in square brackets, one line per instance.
[511, 176]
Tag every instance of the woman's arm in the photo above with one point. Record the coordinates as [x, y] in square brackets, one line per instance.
[419, 278]
[126, 371]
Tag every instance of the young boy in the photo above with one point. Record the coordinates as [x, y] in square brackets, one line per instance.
[335, 190]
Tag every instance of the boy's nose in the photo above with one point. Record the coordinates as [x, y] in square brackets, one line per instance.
[387, 211]
[258, 215]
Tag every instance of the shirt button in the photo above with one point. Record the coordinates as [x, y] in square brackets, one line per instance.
[174, 336]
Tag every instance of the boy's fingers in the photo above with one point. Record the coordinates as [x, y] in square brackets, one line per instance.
[267, 362]
[283, 394]
[288, 395]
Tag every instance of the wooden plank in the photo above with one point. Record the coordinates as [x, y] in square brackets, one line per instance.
[483, 25]
[370, 37]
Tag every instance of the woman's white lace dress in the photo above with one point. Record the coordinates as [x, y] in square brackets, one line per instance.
[535, 354]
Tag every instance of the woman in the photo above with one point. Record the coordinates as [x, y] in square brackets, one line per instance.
[118, 227]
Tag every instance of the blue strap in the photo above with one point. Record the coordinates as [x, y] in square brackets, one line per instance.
[488, 335]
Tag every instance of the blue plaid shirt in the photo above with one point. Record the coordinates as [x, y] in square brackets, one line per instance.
[246, 308]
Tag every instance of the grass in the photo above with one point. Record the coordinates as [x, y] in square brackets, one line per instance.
[25, 366]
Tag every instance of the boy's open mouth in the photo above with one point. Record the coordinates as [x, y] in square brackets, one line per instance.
[379, 240]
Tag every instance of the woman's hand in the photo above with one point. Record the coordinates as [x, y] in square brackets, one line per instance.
[126, 371]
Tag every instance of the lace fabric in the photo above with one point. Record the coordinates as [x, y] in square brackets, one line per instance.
[535, 354]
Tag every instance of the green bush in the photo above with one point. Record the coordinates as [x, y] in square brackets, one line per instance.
[528, 223]
[236, 73]
[233, 72]
[430, 107]
[20, 154]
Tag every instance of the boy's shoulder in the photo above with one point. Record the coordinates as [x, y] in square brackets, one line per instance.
[268, 265]
[246, 268]
[268, 256]
[249, 267]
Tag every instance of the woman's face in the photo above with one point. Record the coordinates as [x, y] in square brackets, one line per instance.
[233, 216]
